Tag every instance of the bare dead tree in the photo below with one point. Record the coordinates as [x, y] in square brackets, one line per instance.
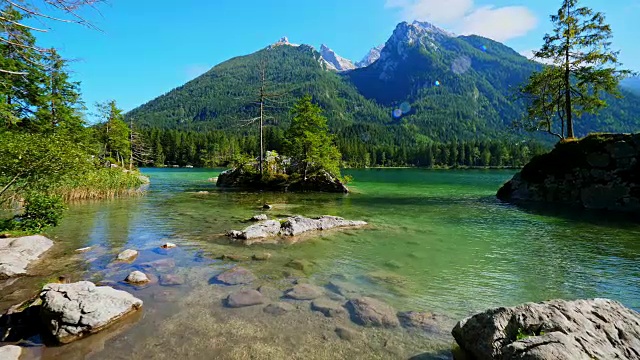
[44, 11]
[140, 150]
[263, 97]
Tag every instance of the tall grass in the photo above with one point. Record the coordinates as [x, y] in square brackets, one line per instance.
[102, 183]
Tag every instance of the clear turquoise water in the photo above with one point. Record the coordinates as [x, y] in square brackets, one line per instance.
[438, 241]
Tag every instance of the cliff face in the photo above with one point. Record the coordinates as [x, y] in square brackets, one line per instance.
[601, 171]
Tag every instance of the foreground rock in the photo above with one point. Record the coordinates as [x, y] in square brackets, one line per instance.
[10, 352]
[236, 276]
[559, 330]
[293, 226]
[367, 311]
[245, 298]
[597, 172]
[72, 311]
[17, 253]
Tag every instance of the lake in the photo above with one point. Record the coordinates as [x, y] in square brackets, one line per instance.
[438, 241]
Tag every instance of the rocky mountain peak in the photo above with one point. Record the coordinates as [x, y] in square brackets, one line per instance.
[335, 60]
[372, 56]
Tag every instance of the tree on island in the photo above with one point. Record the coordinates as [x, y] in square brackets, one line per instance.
[114, 134]
[308, 142]
[583, 69]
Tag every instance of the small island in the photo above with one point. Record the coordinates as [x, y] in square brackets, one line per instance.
[311, 161]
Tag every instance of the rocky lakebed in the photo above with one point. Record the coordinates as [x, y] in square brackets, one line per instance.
[243, 310]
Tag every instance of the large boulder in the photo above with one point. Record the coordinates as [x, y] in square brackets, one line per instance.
[17, 253]
[72, 311]
[260, 230]
[558, 330]
[292, 226]
[297, 225]
[367, 311]
[601, 171]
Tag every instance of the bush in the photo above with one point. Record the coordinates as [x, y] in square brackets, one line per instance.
[40, 211]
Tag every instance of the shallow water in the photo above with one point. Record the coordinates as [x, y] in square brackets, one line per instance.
[438, 241]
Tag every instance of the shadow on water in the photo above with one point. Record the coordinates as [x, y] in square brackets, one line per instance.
[618, 220]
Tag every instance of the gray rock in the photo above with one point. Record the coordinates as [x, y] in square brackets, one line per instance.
[279, 308]
[72, 311]
[558, 329]
[10, 352]
[127, 255]
[17, 253]
[236, 276]
[260, 230]
[328, 308]
[137, 277]
[260, 217]
[245, 298]
[297, 225]
[305, 292]
[371, 312]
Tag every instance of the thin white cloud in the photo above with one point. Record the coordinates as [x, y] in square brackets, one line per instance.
[529, 54]
[463, 17]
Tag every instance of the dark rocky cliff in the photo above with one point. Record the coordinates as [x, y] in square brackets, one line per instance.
[601, 171]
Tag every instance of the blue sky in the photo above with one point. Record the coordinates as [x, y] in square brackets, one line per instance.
[148, 47]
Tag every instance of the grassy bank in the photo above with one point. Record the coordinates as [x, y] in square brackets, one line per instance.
[101, 183]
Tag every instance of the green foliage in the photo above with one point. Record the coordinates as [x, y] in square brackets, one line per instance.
[585, 68]
[308, 142]
[40, 211]
[114, 134]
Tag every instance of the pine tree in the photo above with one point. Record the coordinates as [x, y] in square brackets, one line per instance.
[114, 134]
[579, 47]
[309, 143]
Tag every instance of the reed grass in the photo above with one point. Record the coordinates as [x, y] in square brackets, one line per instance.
[100, 184]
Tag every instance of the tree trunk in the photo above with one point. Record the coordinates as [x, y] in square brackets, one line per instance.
[567, 82]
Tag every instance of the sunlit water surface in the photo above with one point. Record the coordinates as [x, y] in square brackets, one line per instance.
[438, 241]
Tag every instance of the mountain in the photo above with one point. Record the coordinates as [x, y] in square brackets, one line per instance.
[372, 56]
[632, 84]
[225, 95]
[338, 62]
[427, 85]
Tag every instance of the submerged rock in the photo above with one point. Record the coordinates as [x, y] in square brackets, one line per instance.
[261, 257]
[245, 298]
[302, 265]
[169, 246]
[127, 255]
[279, 308]
[72, 311]
[328, 307]
[345, 333]
[10, 352]
[558, 329]
[17, 253]
[419, 320]
[236, 276]
[367, 311]
[171, 280]
[305, 292]
[161, 265]
[137, 277]
[292, 226]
